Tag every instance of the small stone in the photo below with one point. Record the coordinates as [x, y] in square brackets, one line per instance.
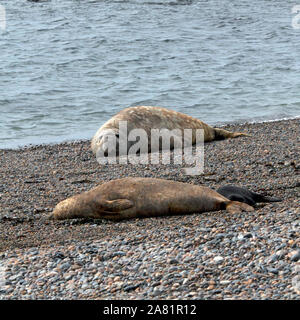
[218, 259]
[131, 287]
[187, 259]
[172, 261]
[272, 258]
[296, 256]
[272, 270]
[225, 281]
[65, 266]
[248, 235]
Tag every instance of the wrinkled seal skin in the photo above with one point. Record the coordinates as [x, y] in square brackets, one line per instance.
[147, 118]
[144, 197]
[241, 194]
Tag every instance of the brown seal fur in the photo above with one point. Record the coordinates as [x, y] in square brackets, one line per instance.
[147, 118]
[144, 197]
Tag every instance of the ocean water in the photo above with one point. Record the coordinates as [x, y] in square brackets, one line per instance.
[67, 66]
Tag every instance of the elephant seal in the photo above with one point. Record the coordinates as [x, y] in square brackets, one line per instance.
[148, 118]
[240, 194]
[144, 197]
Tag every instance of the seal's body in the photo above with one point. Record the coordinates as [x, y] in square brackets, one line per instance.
[147, 118]
[144, 197]
[240, 194]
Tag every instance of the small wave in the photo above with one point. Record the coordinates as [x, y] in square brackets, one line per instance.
[159, 2]
[274, 120]
[259, 120]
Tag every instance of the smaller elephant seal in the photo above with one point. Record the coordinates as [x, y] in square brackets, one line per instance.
[144, 197]
[240, 194]
[150, 118]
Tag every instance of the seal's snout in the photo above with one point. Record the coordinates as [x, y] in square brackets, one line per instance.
[105, 142]
[55, 214]
[107, 146]
[65, 208]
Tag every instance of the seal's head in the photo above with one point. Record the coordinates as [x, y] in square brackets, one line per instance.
[106, 143]
[90, 205]
[66, 208]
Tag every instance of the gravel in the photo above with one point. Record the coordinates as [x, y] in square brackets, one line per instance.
[212, 255]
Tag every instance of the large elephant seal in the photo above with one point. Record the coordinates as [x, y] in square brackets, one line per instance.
[144, 197]
[148, 118]
[241, 194]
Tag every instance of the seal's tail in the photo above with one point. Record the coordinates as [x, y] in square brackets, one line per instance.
[221, 134]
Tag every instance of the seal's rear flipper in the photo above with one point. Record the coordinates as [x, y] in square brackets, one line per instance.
[237, 207]
[261, 198]
[239, 134]
[221, 134]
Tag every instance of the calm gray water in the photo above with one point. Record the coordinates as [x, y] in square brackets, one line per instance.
[68, 65]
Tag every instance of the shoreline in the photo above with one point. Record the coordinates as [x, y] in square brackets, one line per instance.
[213, 255]
[217, 125]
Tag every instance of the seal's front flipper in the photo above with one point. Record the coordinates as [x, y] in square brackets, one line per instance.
[117, 205]
[237, 207]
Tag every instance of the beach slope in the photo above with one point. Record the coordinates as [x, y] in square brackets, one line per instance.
[215, 255]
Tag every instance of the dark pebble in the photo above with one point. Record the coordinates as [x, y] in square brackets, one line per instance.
[295, 257]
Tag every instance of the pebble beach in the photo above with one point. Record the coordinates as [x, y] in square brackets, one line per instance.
[213, 255]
